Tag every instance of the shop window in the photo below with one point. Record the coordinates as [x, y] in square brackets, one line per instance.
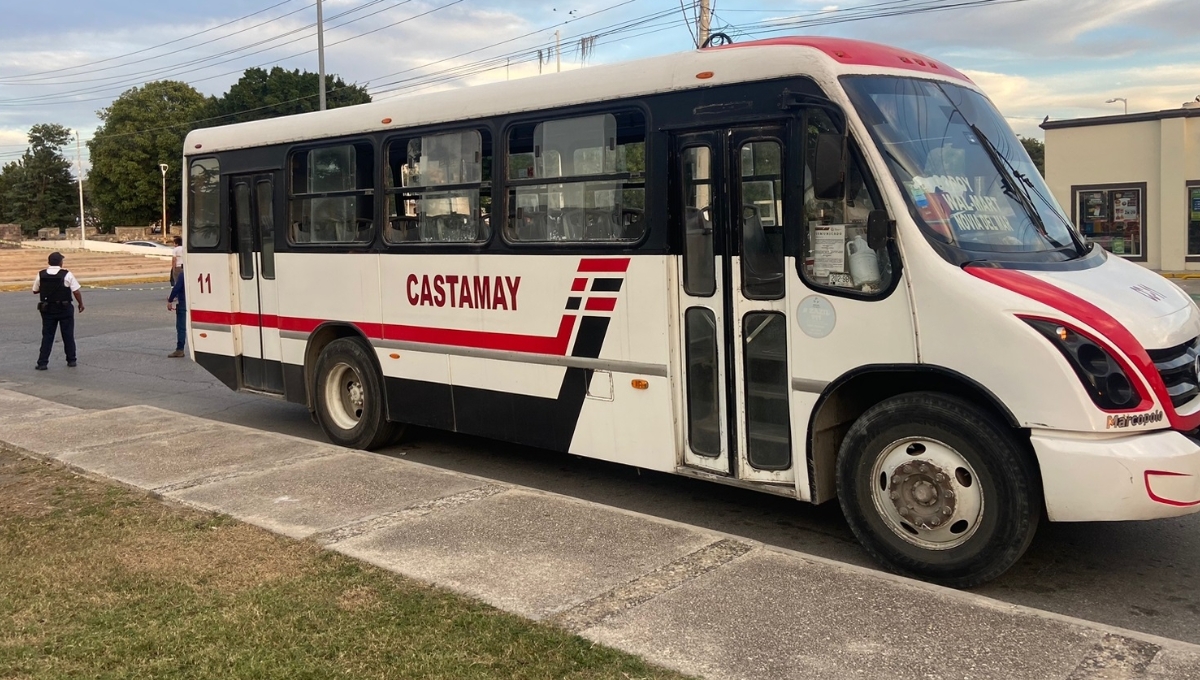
[439, 188]
[1114, 217]
[332, 195]
[598, 164]
[204, 204]
[1193, 207]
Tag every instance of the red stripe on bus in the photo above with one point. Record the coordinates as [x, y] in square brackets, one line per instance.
[1052, 296]
[298, 325]
[206, 316]
[601, 304]
[579, 284]
[615, 264]
[511, 342]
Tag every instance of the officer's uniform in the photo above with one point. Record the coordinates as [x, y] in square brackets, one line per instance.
[55, 287]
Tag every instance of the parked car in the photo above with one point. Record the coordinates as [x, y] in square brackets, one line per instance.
[151, 244]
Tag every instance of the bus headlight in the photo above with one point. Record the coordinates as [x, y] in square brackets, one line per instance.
[1106, 379]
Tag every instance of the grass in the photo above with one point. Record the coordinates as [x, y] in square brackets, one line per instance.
[98, 581]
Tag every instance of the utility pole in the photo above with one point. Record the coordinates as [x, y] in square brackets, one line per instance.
[321, 53]
[703, 23]
[557, 52]
[166, 231]
[79, 181]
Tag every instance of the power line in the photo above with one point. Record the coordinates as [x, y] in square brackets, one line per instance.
[160, 56]
[650, 24]
[169, 71]
[154, 47]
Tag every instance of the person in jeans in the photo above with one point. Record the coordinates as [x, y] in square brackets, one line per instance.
[54, 287]
[177, 301]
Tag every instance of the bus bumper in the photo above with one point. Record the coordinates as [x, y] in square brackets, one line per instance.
[1143, 476]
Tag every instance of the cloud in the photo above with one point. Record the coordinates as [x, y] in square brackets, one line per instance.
[1034, 29]
[1026, 101]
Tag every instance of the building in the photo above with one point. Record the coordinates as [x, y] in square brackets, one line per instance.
[1132, 182]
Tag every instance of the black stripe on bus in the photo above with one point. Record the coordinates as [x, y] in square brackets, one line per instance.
[523, 419]
[606, 285]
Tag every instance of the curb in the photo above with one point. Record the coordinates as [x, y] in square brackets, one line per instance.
[965, 597]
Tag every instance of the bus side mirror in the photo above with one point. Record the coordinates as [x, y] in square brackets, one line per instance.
[830, 170]
[879, 229]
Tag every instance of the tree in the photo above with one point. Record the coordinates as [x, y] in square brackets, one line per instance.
[142, 128]
[38, 190]
[1037, 152]
[9, 176]
[259, 94]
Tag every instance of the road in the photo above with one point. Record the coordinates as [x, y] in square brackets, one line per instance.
[1138, 575]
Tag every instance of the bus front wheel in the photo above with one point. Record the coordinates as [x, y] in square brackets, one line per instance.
[349, 397]
[936, 488]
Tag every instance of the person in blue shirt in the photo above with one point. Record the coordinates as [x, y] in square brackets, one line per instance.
[177, 302]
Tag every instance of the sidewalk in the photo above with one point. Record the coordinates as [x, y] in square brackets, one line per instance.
[680, 596]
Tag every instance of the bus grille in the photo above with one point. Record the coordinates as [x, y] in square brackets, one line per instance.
[1177, 366]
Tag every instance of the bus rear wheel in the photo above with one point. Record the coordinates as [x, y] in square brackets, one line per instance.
[936, 488]
[349, 397]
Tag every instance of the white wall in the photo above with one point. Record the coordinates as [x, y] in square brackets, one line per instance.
[1165, 154]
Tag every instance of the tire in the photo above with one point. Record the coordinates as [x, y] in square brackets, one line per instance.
[935, 488]
[349, 397]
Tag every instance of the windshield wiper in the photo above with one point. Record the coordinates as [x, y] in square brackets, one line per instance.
[1020, 193]
[1013, 186]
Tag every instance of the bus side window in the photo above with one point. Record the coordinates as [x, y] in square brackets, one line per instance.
[331, 197]
[835, 248]
[204, 204]
[578, 179]
[439, 188]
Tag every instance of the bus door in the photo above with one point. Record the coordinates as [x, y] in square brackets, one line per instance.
[733, 313]
[253, 202]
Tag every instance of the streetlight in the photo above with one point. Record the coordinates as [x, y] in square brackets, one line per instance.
[1114, 100]
[165, 230]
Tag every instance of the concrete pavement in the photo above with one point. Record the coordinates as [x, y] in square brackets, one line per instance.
[681, 596]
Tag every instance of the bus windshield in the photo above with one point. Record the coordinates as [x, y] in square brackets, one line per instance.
[967, 178]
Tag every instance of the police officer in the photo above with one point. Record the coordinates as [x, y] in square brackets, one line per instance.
[55, 286]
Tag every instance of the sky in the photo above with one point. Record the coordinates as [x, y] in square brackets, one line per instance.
[62, 61]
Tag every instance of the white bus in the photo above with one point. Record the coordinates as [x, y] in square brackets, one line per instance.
[815, 267]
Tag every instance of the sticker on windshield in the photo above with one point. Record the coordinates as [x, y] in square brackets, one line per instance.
[966, 209]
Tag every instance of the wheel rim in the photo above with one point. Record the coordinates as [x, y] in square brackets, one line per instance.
[927, 493]
[344, 396]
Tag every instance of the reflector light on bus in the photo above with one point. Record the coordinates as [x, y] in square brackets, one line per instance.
[394, 355]
[386, 121]
[204, 335]
[639, 384]
[704, 75]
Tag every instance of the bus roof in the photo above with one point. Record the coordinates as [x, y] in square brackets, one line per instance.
[822, 59]
[858, 53]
